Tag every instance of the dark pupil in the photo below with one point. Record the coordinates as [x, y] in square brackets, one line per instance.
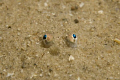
[74, 35]
[45, 36]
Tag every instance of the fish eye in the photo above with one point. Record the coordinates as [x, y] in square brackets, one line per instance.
[74, 35]
[45, 36]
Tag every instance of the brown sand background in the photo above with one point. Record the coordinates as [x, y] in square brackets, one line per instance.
[23, 23]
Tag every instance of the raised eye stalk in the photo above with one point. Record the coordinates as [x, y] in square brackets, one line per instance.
[71, 40]
[47, 40]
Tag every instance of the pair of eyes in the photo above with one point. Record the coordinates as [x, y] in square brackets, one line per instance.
[45, 36]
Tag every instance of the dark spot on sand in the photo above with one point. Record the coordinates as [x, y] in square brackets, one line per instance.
[76, 21]
[73, 8]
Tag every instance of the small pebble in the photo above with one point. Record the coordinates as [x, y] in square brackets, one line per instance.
[70, 75]
[76, 21]
[10, 74]
[73, 8]
[19, 3]
[45, 4]
[41, 75]
[100, 12]
[71, 58]
[70, 14]
[18, 33]
[33, 75]
[117, 40]
[81, 4]
[56, 75]
[18, 29]
[53, 14]
[9, 27]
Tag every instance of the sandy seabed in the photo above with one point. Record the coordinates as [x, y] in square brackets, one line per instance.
[24, 22]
